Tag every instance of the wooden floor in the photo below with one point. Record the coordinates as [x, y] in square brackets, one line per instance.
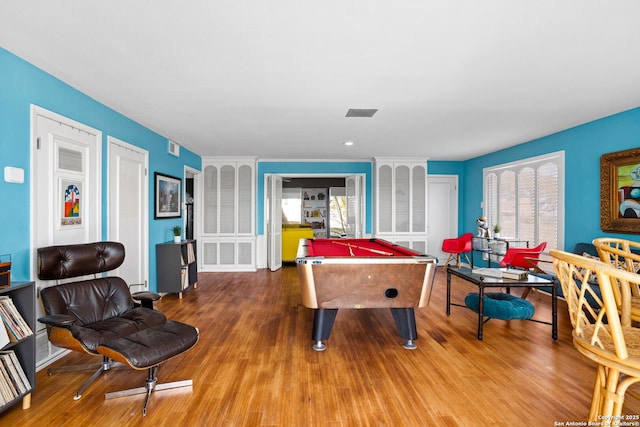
[254, 366]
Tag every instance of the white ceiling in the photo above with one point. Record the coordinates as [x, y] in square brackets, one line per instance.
[452, 79]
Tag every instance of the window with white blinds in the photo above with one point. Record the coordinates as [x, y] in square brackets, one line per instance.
[526, 199]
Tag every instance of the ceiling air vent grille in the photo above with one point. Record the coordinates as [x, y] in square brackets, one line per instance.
[361, 112]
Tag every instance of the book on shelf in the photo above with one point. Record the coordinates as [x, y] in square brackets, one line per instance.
[13, 380]
[15, 324]
[14, 368]
[191, 254]
[501, 273]
[4, 336]
[11, 327]
[184, 277]
[7, 389]
[15, 313]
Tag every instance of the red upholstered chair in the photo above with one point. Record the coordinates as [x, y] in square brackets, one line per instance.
[457, 246]
[524, 258]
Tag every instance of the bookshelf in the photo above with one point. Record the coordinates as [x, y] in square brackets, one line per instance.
[176, 266]
[23, 296]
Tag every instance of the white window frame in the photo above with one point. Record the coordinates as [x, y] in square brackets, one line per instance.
[556, 158]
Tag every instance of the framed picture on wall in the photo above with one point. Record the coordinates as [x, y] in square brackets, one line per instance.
[168, 191]
[71, 193]
[620, 191]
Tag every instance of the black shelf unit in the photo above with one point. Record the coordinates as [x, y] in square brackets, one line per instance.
[23, 295]
[171, 259]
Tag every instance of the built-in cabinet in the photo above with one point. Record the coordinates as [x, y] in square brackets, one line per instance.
[176, 266]
[228, 215]
[401, 201]
[23, 296]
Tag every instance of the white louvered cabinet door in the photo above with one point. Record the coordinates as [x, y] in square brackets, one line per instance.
[228, 238]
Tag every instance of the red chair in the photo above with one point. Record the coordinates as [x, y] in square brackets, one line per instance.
[524, 258]
[457, 246]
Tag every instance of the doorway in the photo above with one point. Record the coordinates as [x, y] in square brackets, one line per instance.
[189, 226]
[442, 212]
[320, 203]
[355, 201]
[67, 194]
[129, 210]
[192, 207]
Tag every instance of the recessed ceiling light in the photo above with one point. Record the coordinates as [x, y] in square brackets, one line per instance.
[361, 112]
[348, 143]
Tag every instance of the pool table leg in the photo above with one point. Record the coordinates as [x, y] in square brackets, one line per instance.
[323, 319]
[406, 322]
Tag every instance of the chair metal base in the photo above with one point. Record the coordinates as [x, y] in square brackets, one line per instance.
[151, 384]
[102, 367]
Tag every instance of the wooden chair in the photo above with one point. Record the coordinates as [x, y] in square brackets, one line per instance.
[625, 255]
[603, 331]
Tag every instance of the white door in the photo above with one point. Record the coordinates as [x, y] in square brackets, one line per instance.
[354, 186]
[66, 189]
[274, 221]
[128, 210]
[442, 212]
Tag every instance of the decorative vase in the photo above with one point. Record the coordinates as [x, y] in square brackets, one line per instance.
[176, 239]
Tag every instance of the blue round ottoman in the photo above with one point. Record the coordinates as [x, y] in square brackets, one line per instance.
[502, 306]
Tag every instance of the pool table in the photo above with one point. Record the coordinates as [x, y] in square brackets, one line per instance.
[362, 273]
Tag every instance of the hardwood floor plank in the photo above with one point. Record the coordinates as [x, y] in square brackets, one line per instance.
[254, 366]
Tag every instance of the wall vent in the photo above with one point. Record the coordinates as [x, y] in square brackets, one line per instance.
[174, 148]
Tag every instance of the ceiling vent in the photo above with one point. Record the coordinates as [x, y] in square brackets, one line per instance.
[361, 112]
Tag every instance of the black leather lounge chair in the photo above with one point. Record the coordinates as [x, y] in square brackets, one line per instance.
[99, 316]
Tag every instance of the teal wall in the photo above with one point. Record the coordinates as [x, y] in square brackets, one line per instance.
[583, 146]
[22, 84]
[308, 168]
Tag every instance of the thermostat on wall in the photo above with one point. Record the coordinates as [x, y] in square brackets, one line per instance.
[12, 174]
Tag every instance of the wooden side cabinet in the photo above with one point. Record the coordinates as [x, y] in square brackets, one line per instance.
[176, 266]
[24, 297]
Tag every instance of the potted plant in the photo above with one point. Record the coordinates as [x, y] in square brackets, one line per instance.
[177, 232]
[496, 230]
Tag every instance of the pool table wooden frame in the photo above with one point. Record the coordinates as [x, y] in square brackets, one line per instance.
[400, 282]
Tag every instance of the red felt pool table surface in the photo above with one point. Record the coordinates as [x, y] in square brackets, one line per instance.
[356, 248]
